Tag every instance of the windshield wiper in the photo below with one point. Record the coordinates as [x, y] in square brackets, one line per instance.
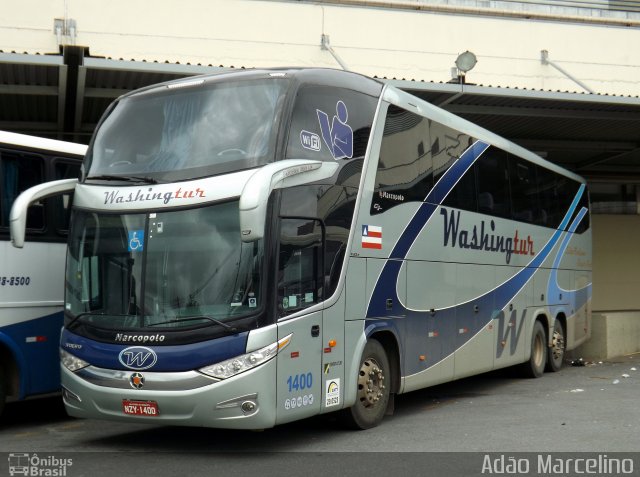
[82, 315]
[108, 177]
[232, 329]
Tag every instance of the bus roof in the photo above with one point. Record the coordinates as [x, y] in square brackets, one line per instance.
[316, 76]
[367, 85]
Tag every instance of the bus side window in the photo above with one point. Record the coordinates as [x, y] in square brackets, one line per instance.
[334, 206]
[300, 267]
[524, 196]
[585, 223]
[493, 183]
[405, 166]
[567, 190]
[447, 145]
[18, 172]
[547, 197]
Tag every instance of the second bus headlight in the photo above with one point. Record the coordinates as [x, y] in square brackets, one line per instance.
[245, 362]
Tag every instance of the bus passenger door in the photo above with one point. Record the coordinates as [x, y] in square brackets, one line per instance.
[300, 287]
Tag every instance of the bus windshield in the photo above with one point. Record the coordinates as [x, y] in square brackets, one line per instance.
[171, 270]
[197, 130]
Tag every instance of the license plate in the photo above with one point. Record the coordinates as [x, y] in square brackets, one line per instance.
[140, 408]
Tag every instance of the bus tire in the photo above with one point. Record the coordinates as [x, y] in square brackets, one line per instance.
[555, 354]
[374, 381]
[534, 367]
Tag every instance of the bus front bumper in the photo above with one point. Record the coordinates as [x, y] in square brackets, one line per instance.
[245, 401]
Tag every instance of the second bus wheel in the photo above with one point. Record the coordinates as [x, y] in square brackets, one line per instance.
[534, 367]
[374, 382]
[555, 355]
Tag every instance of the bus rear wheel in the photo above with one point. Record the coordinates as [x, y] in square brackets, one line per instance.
[534, 367]
[374, 381]
[558, 345]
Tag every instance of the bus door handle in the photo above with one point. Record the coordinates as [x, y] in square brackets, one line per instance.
[315, 331]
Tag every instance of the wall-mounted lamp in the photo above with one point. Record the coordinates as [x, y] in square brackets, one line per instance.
[464, 62]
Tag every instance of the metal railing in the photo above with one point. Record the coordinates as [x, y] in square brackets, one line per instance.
[609, 5]
[614, 9]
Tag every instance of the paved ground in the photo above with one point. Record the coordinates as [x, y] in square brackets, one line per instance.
[594, 408]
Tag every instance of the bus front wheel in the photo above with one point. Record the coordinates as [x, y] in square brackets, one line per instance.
[374, 381]
[534, 367]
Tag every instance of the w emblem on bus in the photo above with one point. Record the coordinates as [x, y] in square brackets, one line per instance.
[137, 357]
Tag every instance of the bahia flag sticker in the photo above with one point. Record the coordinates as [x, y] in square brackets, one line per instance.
[372, 236]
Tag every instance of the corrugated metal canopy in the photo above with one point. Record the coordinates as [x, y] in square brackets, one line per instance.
[597, 136]
[32, 90]
[63, 96]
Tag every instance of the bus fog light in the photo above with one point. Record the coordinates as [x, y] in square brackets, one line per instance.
[242, 363]
[70, 396]
[248, 406]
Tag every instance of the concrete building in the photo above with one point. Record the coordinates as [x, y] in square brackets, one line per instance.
[562, 78]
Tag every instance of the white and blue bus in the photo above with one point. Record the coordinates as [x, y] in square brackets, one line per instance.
[31, 285]
[251, 248]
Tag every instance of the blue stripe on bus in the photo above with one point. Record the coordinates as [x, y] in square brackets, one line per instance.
[387, 281]
[412, 328]
[435, 197]
[33, 344]
[169, 357]
[577, 298]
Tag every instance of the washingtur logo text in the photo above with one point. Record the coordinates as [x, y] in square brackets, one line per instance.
[482, 236]
[149, 195]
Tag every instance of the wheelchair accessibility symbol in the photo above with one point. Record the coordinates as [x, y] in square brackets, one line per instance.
[136, 240]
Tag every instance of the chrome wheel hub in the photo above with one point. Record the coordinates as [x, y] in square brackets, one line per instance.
[370, 383]
[557, 346]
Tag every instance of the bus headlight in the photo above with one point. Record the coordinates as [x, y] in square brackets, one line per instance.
[244, 362]
[71, 362]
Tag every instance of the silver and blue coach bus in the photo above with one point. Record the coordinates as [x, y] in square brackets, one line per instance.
[256, 247]
[31, 285]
